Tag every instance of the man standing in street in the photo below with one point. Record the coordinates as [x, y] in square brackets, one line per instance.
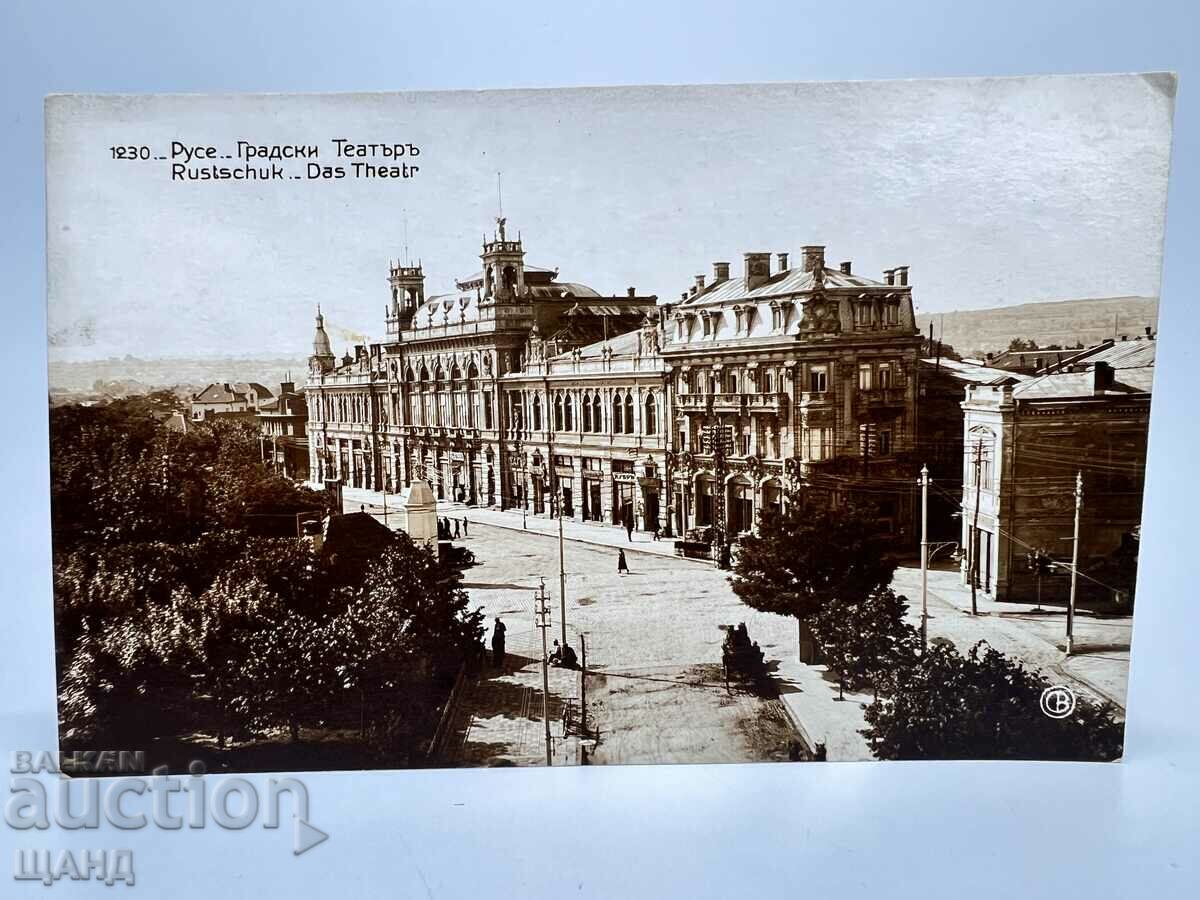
[629, 525]
[498, 630]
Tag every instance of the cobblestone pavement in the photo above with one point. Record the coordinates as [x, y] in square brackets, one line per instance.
[666, 614]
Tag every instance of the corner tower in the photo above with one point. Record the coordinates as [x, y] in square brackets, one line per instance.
[503, 266]
[408, 293]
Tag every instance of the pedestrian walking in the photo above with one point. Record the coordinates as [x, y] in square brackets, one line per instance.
[498, 630]
[629, 527]
[464, 526]
[657, 531]
[456, 534]
[622, 565]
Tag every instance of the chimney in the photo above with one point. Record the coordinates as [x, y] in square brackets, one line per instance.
[902, 275]
[758, 269]
[1149, 334]
[287, 387]
[699, 282]
[1124, 337]
[845, 267]
[630, 292]
[1102, 377]
[889, 276]
[814, 257]
[783, 261]
[720, 272]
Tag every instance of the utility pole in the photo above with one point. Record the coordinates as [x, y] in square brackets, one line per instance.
[925, 549]
[562, 575]
[1074, 564]
[974, 541]
[542, 615]
[583, 683]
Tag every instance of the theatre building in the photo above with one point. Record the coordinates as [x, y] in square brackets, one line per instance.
[427, 401]
[782, 377]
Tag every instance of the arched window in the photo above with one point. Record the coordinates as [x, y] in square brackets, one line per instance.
[597, 414]
[650, 420]
[586, 409]
[558, 413]
[537, 413]
[618, 415]
[569, 413]
[629, 414]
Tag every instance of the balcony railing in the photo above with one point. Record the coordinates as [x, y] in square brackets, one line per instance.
[736, 403]
[889, 396]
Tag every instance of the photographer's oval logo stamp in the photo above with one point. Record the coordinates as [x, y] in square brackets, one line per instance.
[1058, 701]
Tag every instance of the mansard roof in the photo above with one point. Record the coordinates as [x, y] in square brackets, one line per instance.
[793, 281]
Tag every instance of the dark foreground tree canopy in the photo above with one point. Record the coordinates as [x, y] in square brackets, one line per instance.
[809, 556]
[174, 624]
[825, 565]
[983, 706]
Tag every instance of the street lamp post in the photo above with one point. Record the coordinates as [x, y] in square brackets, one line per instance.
[924, 556]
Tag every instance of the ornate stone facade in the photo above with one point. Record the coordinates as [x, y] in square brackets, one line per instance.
[427, 401]
[798, 376]
[522, 390]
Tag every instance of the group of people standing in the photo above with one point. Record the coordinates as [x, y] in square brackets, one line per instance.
[562, 656]
[449, 529]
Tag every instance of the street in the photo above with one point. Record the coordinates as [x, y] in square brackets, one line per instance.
[654, 645]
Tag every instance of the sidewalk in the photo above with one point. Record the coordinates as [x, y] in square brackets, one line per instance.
[1099, 669]
[596, 533]
[816, 712]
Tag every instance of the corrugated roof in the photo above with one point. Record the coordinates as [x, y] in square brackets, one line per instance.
[1081, 384]
[1126, 354]
[974, 374]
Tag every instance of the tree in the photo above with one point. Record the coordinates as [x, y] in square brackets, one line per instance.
[1022, 344]
[217, 636]
[407, 627]
[982, 706]
[809, 556]
[867, 642]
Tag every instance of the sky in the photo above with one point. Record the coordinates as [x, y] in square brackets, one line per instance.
[993, 191]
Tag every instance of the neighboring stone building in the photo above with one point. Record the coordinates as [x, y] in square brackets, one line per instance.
[940, 415]
[592, 424]
[426, 402]
[789, 376]
[283, 424]
[240, 400]
[1025, 444]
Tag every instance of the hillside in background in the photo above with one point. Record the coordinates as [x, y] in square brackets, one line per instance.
[1062, 322]
[132, 375]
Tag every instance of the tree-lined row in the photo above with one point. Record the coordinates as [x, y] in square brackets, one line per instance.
[827, 566]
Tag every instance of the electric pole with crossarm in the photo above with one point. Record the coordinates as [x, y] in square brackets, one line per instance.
[542, 616]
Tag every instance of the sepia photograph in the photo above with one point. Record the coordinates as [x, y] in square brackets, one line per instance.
[794, 422]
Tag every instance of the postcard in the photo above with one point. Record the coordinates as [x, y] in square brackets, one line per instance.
[690, 424]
